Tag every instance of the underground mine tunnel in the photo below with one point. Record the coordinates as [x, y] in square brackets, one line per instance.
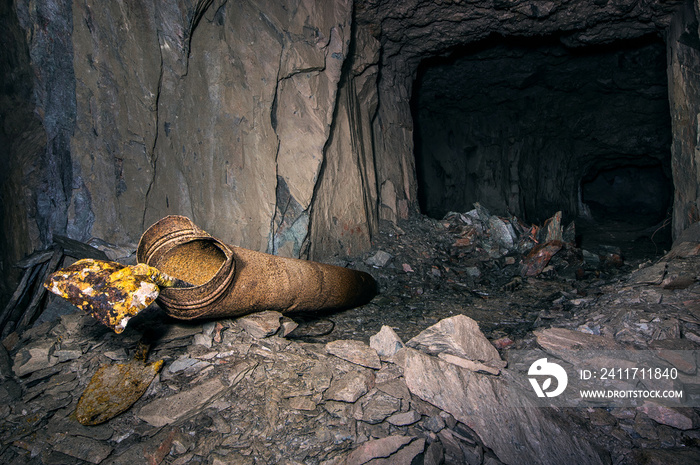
[528, 127]
[349, 132]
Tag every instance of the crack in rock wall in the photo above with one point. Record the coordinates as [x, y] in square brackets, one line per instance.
[279, 126]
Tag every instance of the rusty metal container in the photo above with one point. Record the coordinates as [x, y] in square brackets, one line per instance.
[229, 281]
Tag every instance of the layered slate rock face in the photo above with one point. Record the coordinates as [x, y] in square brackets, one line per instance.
[278, 126]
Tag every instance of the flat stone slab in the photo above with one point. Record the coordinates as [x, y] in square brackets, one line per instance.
[349, 387]
[559, 340]
[261, 325]
[653, 274]
[169, 409]
[520, 433]
[459, 336]
[386, 342]
[356, 352]
[377, 448]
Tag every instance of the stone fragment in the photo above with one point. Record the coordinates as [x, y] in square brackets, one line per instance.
[202, 340]
[406, 454]
[590, 260]
[482, 402]
[181, 364]
[386, 342]
[354, 351]
[653, 274]
[678, 352]
[560, 340]
[72, 322]
[473, 271]
[538, 258]
[33, 357]
[468, 364]
[503, 342]
[113, 389]
[434, 423]
[459, 336]
[302, 403]
[196, 368]
[407, 268]
[175, 331]
[396, 388]
[683, 250]
[116, 355]
[68, 352]
[165, 410]
[501, 232]
[553, 227]
[209, 327]
[434, 454]
[287, 325]
[349, 387]
[678, 281]
[388, 372]
[217, 332]
[379, 259]
[377, 448]
[452, 448]
[404, 418]
[376, 407]
[80, 447]
[155, 453]
[679, 418]
[261, 325]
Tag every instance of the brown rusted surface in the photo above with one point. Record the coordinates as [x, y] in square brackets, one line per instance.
[110, 292]
[113, 389]
[245, 281]
[178, 262]
[539, 257]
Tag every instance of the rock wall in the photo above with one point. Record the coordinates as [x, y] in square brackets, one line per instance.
[282, 126]
[37, 119]
[213, 109]
[684, 96]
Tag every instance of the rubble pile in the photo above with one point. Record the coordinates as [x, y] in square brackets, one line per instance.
[422, 374]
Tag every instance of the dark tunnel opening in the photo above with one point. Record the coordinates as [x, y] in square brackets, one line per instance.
[632, 193]
[528, 127]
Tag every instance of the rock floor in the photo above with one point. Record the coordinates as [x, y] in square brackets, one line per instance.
[333, 391]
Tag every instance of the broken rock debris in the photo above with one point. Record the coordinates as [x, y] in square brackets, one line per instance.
[237, 391]
[362, 408]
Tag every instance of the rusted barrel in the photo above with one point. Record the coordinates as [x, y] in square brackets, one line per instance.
[233, 281]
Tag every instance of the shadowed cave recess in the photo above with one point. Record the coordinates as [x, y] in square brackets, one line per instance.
[528, 127]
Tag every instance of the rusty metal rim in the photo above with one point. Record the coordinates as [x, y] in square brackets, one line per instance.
[186, 299]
